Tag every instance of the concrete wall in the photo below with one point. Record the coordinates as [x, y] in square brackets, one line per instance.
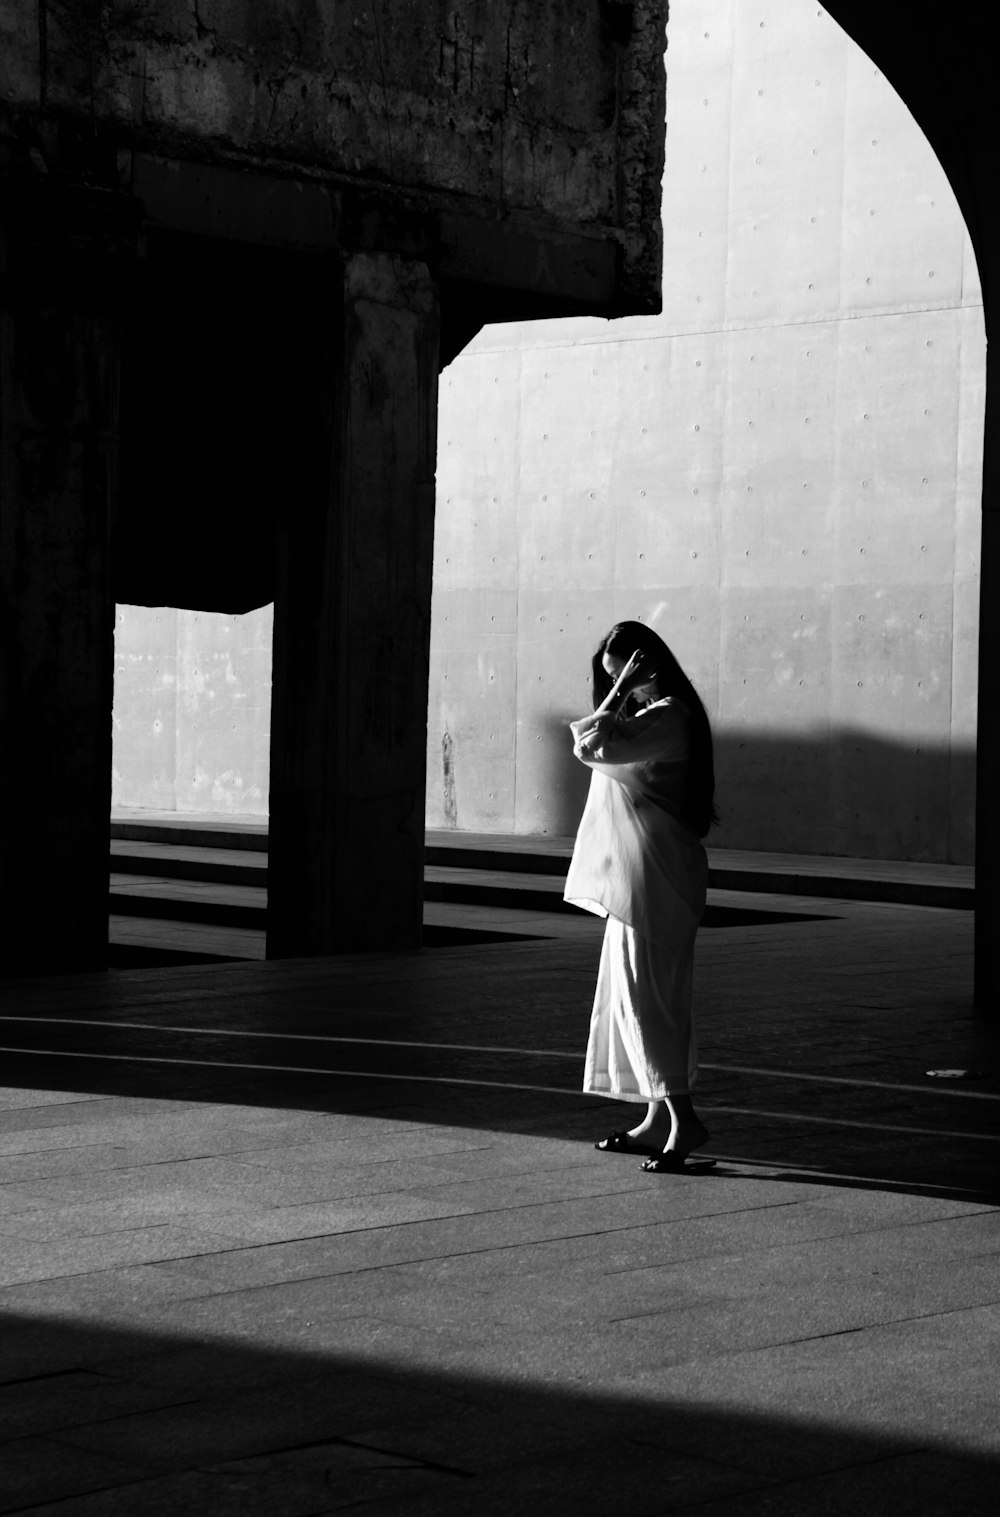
[192, 710]
[782, 472]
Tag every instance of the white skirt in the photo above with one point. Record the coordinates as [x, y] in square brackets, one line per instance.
[642, 1044]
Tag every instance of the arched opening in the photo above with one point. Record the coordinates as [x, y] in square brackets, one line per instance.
[783, 471]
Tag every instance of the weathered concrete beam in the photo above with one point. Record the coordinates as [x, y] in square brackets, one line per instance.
[549, 113]
[501, 252]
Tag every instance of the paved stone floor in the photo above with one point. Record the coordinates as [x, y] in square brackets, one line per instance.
[282, 1239]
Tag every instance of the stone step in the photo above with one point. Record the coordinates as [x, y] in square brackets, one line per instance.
[188, 900]
[179, 829]
[189, 861]
[460, 906]
[212, 843]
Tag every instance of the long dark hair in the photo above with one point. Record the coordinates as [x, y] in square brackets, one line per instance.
[624, 639]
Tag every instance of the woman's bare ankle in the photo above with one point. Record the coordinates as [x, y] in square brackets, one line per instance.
[687, 1135]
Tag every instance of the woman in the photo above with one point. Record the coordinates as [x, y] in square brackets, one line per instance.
[639, 861]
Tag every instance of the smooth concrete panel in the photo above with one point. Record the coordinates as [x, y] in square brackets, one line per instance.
[774, 659]
[788, 86]
[478, 448]
[696, 180]
[777, 791]
[566, 487]
[143, 764]
[668, 462]
[897, 443]
[891, 660]
[223, 711]
[903, 242]
[192, 710]
[471, 718]
[778, 426]
[882, 806]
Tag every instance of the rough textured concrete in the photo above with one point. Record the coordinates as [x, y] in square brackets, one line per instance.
[417, 1287]
[552, 110]
[352, 630]
[60, 354]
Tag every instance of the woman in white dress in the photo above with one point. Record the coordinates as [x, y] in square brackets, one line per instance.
[639, 861]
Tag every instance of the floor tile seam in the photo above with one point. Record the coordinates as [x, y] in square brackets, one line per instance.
[633, 1188]
[903, 1224]
[118, 1169]
[767, 1483]
[50, 1148]
[840, 1332]
[844, 1332]
[158, 1472]
[39, 1210]
[416, 1460]
[479, 1084]
[289, 1069]
[422, 1187]
[796, 1116]
[501, 1050]
[233, 1154]
[177, 1220]
[822, 1178]
[34, 1207]
[421, 1193]
[762, 1254]
[466, 1253]
[58, 1433]
[137, 1473]
[277, 1148]
[790, 1482]
[249, 1246]
[680, 1260]
[234, 1244]
[46, 1375]
[243, 1245]
[80, 1098]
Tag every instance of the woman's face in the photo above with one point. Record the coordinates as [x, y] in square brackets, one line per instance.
[646, 690]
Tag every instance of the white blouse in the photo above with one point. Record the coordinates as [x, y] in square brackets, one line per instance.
[634, 858]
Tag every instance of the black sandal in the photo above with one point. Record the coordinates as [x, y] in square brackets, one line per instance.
[670, 1163]
[624, 1143]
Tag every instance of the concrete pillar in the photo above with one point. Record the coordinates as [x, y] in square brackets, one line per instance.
[351, 634]
[59, 368]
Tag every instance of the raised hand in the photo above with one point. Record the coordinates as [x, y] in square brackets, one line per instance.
[630, 675]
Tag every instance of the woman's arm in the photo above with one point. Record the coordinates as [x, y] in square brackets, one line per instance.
[591, 730]
[622, 687]
[660, 733]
